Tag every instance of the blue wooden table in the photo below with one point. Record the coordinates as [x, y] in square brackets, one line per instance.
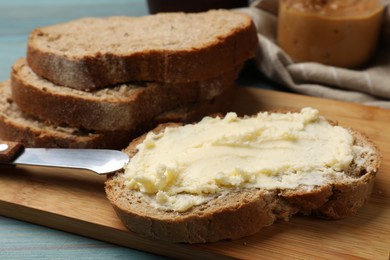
[20, 240]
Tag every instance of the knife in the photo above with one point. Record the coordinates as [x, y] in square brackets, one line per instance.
[100, 161]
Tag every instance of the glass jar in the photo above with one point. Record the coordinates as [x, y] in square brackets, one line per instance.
[341, 33]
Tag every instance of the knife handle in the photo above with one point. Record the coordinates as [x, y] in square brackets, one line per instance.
[9, 150]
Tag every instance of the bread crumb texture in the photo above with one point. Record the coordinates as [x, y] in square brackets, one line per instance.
[121, 35]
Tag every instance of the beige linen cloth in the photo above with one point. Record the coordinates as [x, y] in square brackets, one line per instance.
[369, 85]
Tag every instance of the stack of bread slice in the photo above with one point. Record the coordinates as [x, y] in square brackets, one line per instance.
[99, 82]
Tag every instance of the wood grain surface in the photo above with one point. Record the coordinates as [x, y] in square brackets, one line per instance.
[74, 201]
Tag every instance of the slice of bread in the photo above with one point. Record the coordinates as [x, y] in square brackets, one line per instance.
[122, 107]
[240, 212]
[92, 53]
[33, 132]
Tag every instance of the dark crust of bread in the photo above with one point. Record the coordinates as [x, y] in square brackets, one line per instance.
[104, 114]
[90, 72]
[241, 213]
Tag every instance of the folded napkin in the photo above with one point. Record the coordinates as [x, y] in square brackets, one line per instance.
[368, 85]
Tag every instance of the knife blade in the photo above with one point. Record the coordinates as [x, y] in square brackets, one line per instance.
[100, 161]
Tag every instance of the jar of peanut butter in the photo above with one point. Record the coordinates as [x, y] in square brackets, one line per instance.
[342, 33]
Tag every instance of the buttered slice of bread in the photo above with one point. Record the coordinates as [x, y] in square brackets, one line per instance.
[91, 53]
[34, 132]
[122, 107]
[225, 178]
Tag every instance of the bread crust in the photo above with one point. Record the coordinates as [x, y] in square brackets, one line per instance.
[241, 212]
[100, 69]
[108, 112]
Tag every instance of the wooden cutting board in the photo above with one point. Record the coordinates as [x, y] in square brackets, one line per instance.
[74, 201]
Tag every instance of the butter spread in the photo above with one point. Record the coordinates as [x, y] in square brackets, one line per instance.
[189, 165]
